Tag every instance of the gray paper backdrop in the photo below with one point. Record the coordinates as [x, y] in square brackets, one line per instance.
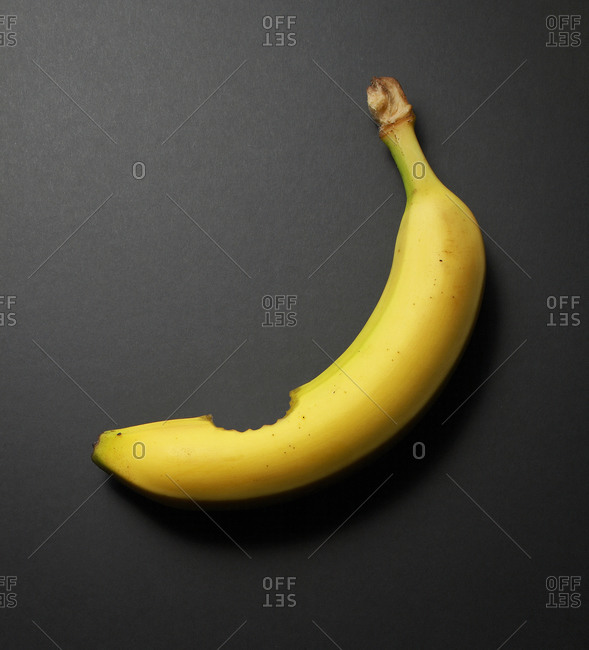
[164, 167]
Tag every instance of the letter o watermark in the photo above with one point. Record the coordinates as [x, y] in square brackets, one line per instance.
[418, 170]
[139, 170]
[141, 454]
[418, 455]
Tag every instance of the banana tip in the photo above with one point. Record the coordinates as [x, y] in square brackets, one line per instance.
[98, 449]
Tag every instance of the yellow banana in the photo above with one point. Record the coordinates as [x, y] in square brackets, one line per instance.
[365, 398]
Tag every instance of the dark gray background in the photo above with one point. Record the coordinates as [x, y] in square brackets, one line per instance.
[122, 312]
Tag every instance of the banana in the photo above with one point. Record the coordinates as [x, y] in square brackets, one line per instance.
[364, 399]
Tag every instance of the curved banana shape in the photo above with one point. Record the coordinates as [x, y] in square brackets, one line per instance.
[369, 395]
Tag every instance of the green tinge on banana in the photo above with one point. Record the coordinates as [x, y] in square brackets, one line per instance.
[370, 394]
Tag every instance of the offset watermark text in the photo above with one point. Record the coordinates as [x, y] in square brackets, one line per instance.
[279, 591]
[7, 31]
[563, 592]
[279, 310]
[8, 597]
[279, 31]
[563, 30]
[7, 313]
[563, 311]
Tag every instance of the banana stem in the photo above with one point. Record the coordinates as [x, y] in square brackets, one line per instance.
[409, 157]
[396, 119]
